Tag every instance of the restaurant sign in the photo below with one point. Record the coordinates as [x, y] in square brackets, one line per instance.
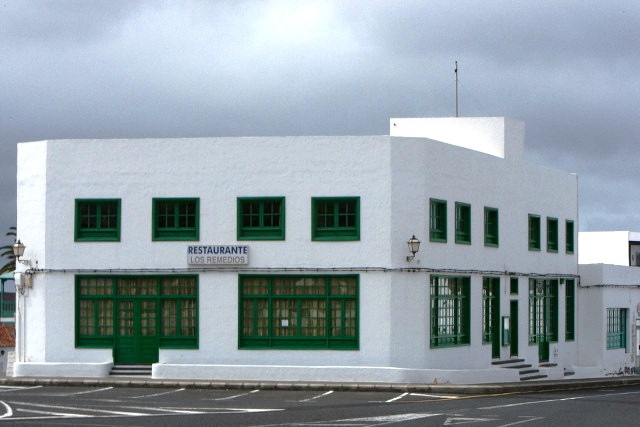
[210, 255]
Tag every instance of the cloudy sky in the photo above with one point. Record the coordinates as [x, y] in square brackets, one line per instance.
[103, 69]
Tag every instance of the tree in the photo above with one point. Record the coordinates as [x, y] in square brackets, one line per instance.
[7, 253]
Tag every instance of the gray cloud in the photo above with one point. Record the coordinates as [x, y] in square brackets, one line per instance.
[99, 69]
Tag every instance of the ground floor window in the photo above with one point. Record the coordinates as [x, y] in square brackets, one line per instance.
[616, 328]
[450, 310]
[160, 311]
[543, 310]
[298, 312]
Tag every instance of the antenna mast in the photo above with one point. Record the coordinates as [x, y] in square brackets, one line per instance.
[456, 71]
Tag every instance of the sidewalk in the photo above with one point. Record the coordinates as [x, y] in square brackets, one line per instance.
[471, 389]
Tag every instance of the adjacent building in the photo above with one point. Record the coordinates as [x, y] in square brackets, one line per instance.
[286, 258]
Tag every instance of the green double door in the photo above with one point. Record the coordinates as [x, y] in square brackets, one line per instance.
[137, 331]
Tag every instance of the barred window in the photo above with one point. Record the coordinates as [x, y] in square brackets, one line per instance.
[450, 310]
[616, 328]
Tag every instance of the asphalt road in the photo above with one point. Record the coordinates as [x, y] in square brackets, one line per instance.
[109, 406]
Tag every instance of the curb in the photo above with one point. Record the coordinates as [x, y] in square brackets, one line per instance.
[470, 389]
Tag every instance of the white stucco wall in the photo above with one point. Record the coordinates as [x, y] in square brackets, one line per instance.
[603, 287]
[394, 177]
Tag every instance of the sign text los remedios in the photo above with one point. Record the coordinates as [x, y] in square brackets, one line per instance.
[217, 255]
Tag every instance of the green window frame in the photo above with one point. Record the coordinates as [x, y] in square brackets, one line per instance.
[335, 218]
[490, 308]
[450, 311]
[97, 300]
[261, 218]
[534, 232]
[552, 235]
[543, 310]
[176, 219]
[298, 312]
[491, 229]
[570, 310]
[97, 220]
[438, 220]
[463, 223]
[616, 328]
[569, 237]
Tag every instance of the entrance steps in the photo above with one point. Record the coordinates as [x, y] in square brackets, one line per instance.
[526, 371]
[130, 370]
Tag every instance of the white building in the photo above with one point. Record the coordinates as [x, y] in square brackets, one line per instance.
[609, 302]
[285, 258]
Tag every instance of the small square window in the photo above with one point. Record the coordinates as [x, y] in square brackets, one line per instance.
[463, 223]
[335, 218]
[176, 219]
[261, 218]
[552, 235]
[97, 220]
[491, 235]
[437, 220]
[534, 233]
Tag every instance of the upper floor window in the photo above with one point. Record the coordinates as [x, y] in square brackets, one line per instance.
[463, 223]
[261, 218]
[569, 233]
[176, 219]
[335, 218]
[437, 220]
[491, 227]
[552, 235]
[97, 220]
[534, 233]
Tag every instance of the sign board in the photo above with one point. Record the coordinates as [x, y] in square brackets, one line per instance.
[212, 255]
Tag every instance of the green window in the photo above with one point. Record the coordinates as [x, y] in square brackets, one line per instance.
[616, 328]
[463, 223]
[261, 218]
[534, 233]
[450, 311]
[171, 299]
[335, 218]
[570, 310]
[437, 220]
[490, 308]
[298, 312]
[97, 220]
[569, 233]
[543, 310]
[552, 235]
[513, 286]
[491, 227]
[176, 219]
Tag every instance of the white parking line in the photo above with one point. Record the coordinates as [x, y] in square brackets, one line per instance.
[437, 396]
[6, 388]
[86, 392]
[396, 398]
[535, 402]
[237, 395]
[8, 412]
[158, 394]
[317, 397]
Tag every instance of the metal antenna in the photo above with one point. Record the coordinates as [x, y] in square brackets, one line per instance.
[456, 71]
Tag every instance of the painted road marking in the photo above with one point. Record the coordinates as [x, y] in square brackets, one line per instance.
[8, 412]
[158, 394]
[563, 399]
[317, 397]
[237, 395]
[529, 419]
[77, 393]
[7, 388]
[396, 398]
[462, 420]
[437, 396]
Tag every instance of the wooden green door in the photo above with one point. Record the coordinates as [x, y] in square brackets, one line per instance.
[137, 331]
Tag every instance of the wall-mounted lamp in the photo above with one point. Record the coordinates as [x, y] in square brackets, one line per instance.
[414, 247]
[18, 251]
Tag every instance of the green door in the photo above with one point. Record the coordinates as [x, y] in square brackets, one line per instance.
[137, 331]
[513, 313]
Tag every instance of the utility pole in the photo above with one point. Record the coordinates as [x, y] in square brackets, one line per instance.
[456, 71]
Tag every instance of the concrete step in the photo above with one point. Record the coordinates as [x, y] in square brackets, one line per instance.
[506, 361]
[532, 377]
[131, 370]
